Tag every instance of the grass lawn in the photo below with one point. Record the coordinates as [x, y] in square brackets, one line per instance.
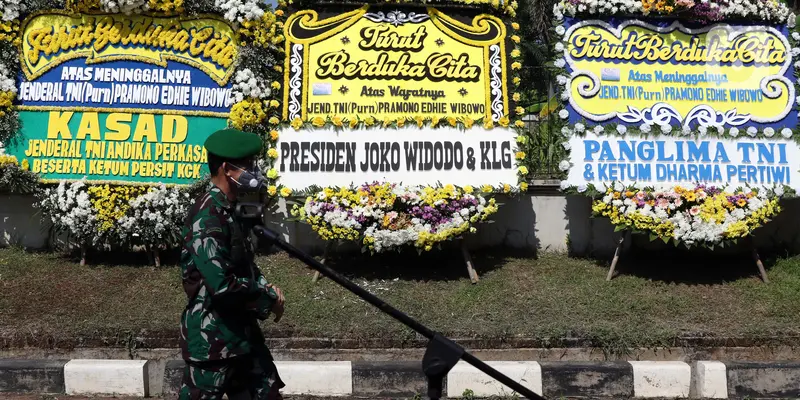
[47, 298]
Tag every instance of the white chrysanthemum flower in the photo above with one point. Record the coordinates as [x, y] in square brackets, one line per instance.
[621, 129]
[7, 83]
[734, 132]
[559, 47]
[238, 11]
[786, 132]
[560, 63]
[564, 185]
[769, 132]
[582, 188]
[666, 128]
[560, 30]
[247, 84]
[125, 6]
[564, 165]
[598, 129]
[564, 114]
[10, 9]
[702, 129]
[752, 131]
[567, 146]
[579, 127]
[645, 128]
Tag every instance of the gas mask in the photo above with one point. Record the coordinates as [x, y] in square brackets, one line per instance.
[250, 180]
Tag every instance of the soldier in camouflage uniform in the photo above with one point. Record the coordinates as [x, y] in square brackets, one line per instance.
[221, 341]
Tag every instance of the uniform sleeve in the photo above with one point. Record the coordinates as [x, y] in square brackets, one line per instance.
[262, 305]
[211, 256]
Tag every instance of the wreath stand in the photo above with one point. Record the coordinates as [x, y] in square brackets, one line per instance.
[473, 275]
[751, 243]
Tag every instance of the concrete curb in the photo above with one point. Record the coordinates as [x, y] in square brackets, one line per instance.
[404, 379]
[40, 376]
[763, 380]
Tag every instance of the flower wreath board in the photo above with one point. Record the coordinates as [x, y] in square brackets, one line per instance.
[109, 103]
[680, 117]
[400, 119]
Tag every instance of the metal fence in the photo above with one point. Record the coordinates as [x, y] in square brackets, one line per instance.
[541, 101]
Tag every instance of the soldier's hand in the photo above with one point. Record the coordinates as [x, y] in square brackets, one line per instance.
[277, 308]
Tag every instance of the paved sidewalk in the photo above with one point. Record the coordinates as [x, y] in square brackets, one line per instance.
[17, 396]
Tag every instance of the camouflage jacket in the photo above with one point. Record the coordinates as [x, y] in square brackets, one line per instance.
[226, 292]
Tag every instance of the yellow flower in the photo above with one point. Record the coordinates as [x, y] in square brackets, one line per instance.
[488, 123]
[523, 186]
[467, 121]
[420, 121]
[272, 190]
[274, 121]
[297, 123]
[506, 188]
[274, 134]
[516, 65]
[452, 121]
[272, 153]
[515, 53]
[387, 122]
[274, 103]
[435, 121]
[285, 191]
[401, 122]
[369, 121]
[515, 38]
[272, 173]
[337, 121]
[278, 68]
[517, 80]
[519, 155]
[468, 189]
[319, 122]
[520, 110]
[25, 164]
[279, 13]
[523, 170]
[276, 85]
[353, 122]
[515, 26]
[515, 96]
[487, 188]
[519, 124]
[504, 121]
[247, 112]
[740, 202]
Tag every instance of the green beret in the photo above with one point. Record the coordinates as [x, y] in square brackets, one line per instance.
[233, 144]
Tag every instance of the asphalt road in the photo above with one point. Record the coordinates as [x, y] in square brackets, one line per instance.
[17, 396]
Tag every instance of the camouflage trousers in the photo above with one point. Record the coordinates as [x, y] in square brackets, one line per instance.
[247, 377]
